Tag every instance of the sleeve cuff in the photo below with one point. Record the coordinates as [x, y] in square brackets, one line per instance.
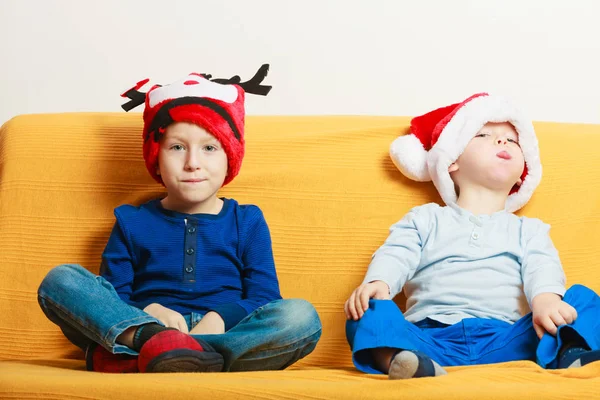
[232, 314]
[393, 285]
[556, 289]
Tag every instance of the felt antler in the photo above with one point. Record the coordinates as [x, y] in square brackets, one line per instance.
[136, 97]
[253, 85]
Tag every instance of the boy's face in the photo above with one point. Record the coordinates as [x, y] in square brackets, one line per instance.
[492, 159]
[192, 165]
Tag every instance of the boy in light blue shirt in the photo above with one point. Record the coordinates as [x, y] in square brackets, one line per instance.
[469, 269]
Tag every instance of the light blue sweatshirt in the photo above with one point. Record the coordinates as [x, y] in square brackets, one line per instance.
[455, 265]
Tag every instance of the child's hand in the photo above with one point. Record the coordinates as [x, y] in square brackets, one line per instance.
[210, 323]
[550, 312]
[358, 302]
[170, 318]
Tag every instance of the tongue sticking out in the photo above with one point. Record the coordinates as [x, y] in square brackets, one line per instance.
[504, 155]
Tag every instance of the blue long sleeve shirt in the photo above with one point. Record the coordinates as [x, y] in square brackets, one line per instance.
[454, 265]
[192, 262]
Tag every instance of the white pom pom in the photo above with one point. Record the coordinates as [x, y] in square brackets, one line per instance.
[410, 157]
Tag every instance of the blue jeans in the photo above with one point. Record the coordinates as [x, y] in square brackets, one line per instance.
[87, 309]
[472, 340]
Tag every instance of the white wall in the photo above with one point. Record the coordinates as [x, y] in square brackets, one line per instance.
[375, 57]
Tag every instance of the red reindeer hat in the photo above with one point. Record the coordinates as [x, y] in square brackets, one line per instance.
[216, 105]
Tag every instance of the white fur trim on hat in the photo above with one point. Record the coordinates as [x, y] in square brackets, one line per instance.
[410, 157]
[193, 86]
[463, 126]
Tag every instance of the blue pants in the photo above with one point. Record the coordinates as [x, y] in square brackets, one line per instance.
[472, 340]
[87, 309]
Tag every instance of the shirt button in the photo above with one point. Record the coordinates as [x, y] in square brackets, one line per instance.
[475, 235]
[189, 269]
[191, 229]
[190, 251]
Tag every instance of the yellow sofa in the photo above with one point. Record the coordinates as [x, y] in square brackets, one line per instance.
[329, 193]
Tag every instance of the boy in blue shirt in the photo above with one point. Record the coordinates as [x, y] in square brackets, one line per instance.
[465, 267]
[187, 282]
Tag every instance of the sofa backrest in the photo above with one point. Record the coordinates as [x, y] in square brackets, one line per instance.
[326, 185]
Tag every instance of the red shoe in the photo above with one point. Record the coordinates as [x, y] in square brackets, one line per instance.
[174, 351]
[98, 359]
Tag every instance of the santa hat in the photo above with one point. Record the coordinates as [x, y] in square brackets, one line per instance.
[438, 138]
[216, 105]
